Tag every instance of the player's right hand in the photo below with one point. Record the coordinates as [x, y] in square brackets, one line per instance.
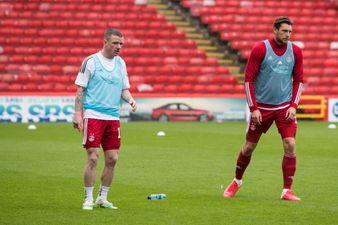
[133, 104]
[256, 117]
[78, 121]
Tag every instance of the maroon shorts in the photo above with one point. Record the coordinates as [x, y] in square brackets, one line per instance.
[285, 128]
[101, 132]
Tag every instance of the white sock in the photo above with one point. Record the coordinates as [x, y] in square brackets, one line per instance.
[239, 182]
[103, 192]
[284, 191]
[89, 193]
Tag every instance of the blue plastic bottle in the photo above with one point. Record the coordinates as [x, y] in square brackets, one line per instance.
[157, 196]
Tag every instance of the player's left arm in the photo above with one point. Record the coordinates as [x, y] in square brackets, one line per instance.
[297, 82]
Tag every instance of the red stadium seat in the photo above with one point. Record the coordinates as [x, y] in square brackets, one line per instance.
[213, 88]
[24, 78]
[171, 88]
[66, 79]
[159, 88]
[45, 87]
[199, 88]
[162, 79]
[4, 87]
[15, 87]
[239, 89]
[35, 78]
[227, 88]
[326, 81]
[175, 79]
[60, 87]
[136, 79]
[30, 87]
[8, 78]
[204, 79]
[186, 88]
[72, 88]
[190, 79]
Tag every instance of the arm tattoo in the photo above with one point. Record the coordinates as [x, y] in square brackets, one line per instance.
[79, 100]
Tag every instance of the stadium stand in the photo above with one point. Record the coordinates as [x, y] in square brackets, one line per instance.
[42, 44]
[241, 24]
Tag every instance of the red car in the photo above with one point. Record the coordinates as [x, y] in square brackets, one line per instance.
[180, 112]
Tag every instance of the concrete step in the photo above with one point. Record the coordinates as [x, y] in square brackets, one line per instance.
[234, 69]
[195, 36]
[203, 42]
[207, 48]
[159, 6]
[151, 2]
[225, 61]
[187, 29]
[181, 23]
[240, 77]
[193, 33]
[173, 18]
[215, 54]
[166, 12]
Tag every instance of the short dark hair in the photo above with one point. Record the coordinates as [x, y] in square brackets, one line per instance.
[280, 20]
[112, 31]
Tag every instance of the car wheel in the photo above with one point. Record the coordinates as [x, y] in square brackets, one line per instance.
[203, 118]
[163, 118]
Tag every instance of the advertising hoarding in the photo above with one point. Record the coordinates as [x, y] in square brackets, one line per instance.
[29, 109]
[333, 110]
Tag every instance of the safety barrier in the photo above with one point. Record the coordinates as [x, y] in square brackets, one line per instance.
[312, 107]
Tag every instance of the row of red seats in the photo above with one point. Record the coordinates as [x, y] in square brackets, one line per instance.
[43, 9]
[131, 41]
[190, 88]
[180, 70]
[169, 55]
[132, 61]
[300, 4]
[96, 30]
[252, 11]
[33, 87]
[321, 90]
[78, 1]
[36, 78]
[70, 19]
[187, 79]
[311, 54]
[31, 77]
[304, 37]
[241, 20]
[319, 63]
[254, 37]
[322, 80]
[144, 70]
[328, 71]
[156, 88]
[264, 28]
[93, 28]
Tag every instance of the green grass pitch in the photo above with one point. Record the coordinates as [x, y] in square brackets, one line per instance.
[41, 176]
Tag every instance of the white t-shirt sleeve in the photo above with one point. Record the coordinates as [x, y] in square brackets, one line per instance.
[86, 70]
[125, 79]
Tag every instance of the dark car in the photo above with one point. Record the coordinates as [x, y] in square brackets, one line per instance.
[180, 112]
